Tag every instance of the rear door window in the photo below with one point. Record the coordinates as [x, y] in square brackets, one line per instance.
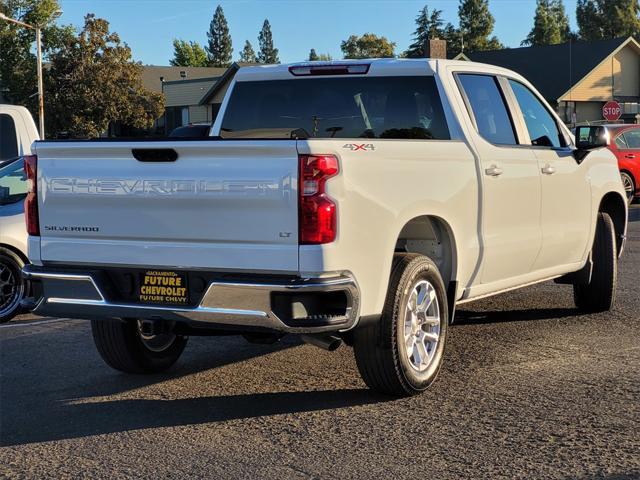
[362, 107]
[488, 108]
[8, 138]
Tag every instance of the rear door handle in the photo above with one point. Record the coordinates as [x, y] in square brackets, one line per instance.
[548, 170]
[629, 155]
[493, 171]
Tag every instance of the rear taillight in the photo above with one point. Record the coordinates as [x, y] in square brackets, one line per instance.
[317, 211]
[31, 202]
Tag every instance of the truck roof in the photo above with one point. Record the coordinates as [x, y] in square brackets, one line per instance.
[376, 67]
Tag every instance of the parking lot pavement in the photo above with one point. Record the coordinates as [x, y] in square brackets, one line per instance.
[530, 389]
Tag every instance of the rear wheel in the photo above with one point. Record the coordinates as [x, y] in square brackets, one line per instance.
[12, 287]
[629, 186]
[123, 345]
[600, 293]
[402, 353]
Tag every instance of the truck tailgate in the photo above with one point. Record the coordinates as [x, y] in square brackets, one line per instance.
[222, 204]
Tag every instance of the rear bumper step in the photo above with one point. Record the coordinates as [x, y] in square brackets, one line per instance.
[292, 305]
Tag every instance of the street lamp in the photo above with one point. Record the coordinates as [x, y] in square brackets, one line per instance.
[38, 31]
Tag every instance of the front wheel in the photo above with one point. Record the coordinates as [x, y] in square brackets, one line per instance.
[600, 293]
[124, 346]
[12, 287]
[402, 353]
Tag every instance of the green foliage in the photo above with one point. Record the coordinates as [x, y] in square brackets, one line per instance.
[476, 24]
[219, 47]
[428, 26]
[188, 54]
[323, 57]
[18, 77]
[550, 24]
[367, 46]
[248, 55]
[603, 19]
[268, 53]
[92, 81]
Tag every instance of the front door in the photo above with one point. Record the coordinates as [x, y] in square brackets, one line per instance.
[566, 206]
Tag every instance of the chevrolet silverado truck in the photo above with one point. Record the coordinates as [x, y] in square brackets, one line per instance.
[351, 201]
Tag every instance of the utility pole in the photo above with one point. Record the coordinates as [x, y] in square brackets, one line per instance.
[38, 32]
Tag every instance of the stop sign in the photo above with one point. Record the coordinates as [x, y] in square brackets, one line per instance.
[611, 111]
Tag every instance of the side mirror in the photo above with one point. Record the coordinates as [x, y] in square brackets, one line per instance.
[590, 138]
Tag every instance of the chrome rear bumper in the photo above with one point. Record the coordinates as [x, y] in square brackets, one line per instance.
[239, 305]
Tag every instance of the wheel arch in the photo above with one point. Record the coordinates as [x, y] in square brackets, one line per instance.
[16, 251]
[432, 236]
[616, 207]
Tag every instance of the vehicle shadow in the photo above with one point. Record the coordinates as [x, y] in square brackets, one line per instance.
[67, 396]
[634, 213]
[69, 419]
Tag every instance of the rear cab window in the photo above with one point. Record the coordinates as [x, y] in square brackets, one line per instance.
[384, 107]
[13, 183]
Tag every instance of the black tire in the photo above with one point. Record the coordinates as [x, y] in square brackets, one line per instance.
[380, 349]
[600, 294]
[12, 286]
[120, 345]
[629, 186]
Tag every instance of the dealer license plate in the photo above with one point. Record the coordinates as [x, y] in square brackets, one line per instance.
[162, 287]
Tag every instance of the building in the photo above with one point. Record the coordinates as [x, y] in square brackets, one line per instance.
[182, 87]
[577, 78]
[197, 100]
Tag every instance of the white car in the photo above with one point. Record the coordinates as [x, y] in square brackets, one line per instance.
[353, 200]
[17, 133]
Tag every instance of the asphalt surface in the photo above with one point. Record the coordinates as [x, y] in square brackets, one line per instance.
[529, 389]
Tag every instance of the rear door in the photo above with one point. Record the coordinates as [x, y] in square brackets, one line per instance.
[511, 182]
[221, 204]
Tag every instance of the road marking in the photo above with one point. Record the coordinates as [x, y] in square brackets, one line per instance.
[37, 322]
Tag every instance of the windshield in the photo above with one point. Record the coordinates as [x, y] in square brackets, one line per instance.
[363, 107]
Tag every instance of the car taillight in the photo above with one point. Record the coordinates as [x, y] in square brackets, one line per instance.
[317, 211]
[31, 202]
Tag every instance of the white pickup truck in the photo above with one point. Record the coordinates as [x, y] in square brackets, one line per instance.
[355, 200]
[17, 133]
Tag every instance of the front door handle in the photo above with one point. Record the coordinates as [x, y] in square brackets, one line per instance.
[629, 155]
[493, 171]
[548, 170]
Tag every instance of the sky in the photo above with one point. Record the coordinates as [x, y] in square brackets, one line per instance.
[149, 26]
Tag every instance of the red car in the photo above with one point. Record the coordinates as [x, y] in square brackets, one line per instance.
[625, 144]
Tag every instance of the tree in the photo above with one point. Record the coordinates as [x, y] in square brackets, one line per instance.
[248, 55]
[323, 57]
[188, 54]
[18, 77]
[428, 26]
[92, 81]
[367, 46]
[219, 47]
[476, 24]
[603, 19]
[550, 24]
[268, 53]
[454, 37]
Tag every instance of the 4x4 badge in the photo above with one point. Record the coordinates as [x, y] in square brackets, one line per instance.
[354, 147]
